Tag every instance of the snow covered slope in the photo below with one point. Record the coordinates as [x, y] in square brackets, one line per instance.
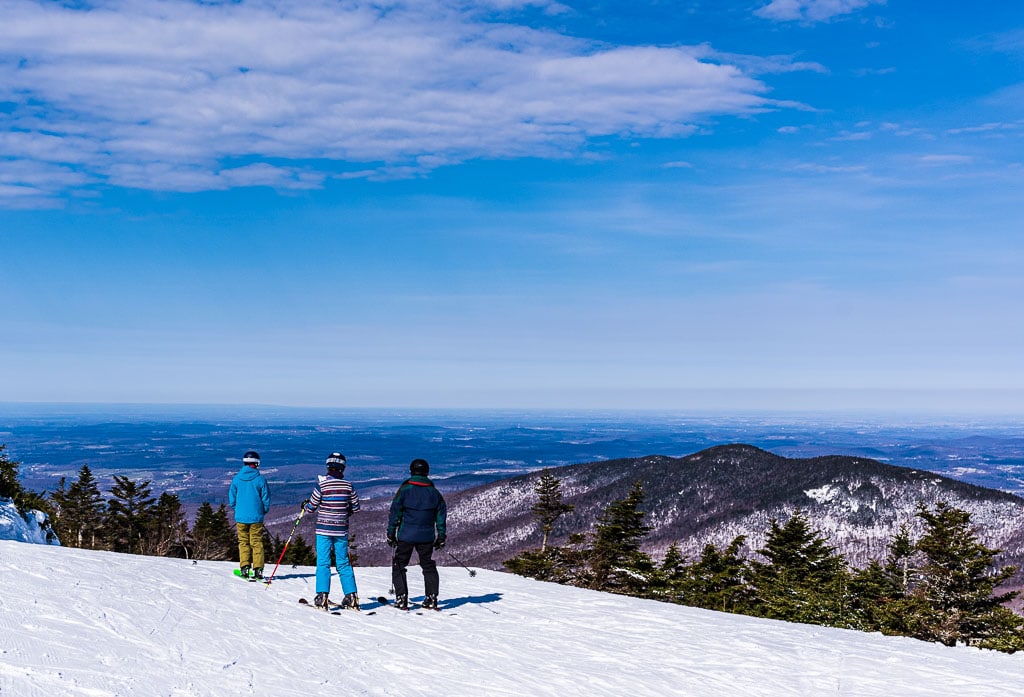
[76, 622]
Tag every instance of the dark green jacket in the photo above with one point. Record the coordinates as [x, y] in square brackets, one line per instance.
[416, 510]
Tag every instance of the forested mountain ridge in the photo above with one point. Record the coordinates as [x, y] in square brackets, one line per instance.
[713, 496]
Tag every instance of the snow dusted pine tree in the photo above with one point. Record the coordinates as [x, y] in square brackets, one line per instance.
[549, 507]
[616, 562]
[129, 514]
[79, 511]
[804, 579]
[958, 584]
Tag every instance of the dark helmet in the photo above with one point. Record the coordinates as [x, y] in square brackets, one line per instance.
[419, 467]
[336, 463]
[251, 458]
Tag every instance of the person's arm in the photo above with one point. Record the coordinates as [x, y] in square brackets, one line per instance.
[265, 496]
[314, 499]
[441, 518]
[395, 514]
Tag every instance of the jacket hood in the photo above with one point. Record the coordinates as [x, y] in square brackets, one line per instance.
[248, 473]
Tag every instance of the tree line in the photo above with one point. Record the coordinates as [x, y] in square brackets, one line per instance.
[132, 519]
[942, 586]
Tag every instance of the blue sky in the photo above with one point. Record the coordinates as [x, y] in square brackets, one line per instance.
[787, 204]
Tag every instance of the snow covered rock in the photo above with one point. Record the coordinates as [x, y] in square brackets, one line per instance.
[33, 527]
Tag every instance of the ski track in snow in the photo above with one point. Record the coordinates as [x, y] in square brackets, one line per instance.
[75, 622]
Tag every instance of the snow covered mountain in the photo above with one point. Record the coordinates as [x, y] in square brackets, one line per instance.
[719, 493]
[84, 623]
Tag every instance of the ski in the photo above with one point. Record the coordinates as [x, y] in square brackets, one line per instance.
[418, 609]
[335, 608]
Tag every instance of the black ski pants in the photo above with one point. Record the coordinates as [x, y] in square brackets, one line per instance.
[403, 553]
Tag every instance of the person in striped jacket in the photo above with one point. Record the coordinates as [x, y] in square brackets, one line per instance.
[334, 500]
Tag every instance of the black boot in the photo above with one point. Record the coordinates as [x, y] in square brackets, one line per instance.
[321, 601]
[350, 602]
[430, 602]
[401, 602]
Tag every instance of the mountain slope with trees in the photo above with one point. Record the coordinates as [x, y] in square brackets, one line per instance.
[713, 496]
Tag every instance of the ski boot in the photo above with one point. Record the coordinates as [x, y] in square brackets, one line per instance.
[430, 603]
[401, 602]
[246, 572]
[350, 602]
[257, 574]
[321, 601]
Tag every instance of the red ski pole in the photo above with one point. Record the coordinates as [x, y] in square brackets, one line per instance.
[287, 542]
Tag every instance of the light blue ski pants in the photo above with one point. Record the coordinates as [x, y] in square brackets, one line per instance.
[325, 544]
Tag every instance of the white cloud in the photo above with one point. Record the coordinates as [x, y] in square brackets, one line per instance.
[182, 95]
[811, 10]
[991, 127]
[946, 160]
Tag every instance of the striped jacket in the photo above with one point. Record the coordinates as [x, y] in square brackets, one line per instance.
[334, 500]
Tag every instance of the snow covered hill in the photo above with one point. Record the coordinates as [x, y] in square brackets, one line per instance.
[75, 622]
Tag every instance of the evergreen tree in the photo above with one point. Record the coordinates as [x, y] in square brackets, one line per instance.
[11, 488]
[549, 506]
[79, 511]
[716, 581]
[213, 535]
[300, 552]
[168, 534]
[616, 562]
[558, 564]
[881, 598]
[958, 581]
[804, 580]
[670, 572]
[129, 515]
[899, 564]
[534, 563]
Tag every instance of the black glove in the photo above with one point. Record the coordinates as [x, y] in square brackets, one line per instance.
[439, 542]
[392, 540]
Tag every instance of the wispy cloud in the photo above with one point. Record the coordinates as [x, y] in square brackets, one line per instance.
[185, 95]
[946, 160]
[991, 127]
[811, 10]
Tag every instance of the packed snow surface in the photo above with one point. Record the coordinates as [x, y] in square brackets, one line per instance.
[75, 622]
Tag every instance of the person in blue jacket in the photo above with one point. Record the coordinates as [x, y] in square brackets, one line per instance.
[417, 510]
[249, 497]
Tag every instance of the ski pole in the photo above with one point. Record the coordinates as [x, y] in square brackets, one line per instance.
[287, 542]
[472, 572]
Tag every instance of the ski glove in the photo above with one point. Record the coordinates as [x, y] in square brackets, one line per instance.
[392, 541]
[440, 542]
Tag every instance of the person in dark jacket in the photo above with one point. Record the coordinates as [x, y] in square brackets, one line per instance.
[417, 510]
[334, 499]
[249, 497]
